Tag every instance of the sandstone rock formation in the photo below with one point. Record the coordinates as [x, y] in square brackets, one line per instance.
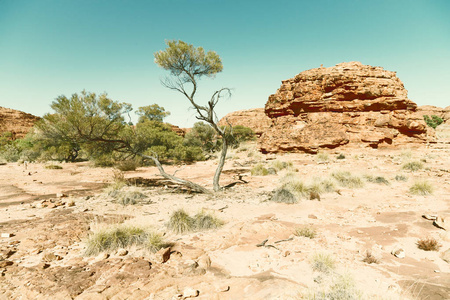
[430, 110]
[345, 104]
[254, 119]
[16, 122]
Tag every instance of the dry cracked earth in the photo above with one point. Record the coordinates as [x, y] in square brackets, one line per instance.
[47, 215]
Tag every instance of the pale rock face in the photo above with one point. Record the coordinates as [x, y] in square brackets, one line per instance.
[349, 103]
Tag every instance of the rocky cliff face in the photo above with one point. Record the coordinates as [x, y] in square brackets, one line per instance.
[254, 119]
[16, 122]
[344, 104]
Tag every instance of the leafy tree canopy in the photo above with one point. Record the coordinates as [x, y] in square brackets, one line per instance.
[152, 112]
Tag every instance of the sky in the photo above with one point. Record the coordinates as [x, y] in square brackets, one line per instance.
[50, 48]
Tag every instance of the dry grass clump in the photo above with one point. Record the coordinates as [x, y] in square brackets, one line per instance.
[413, 166]
[128, 197]
[120, 236]
[422, 188]
[127, 165]
[346, 179]
[181, 222]
[340, 156]
[281, 165]
[306, 231]
[323, 262]
[322, 186]
[259, 170]
[53, 167]
[342, 288]
[322, 157]
[369, 258]
[428, 244]
[401, 177]
[283, 195]
[376, 179]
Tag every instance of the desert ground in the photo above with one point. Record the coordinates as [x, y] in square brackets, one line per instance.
[47, 216]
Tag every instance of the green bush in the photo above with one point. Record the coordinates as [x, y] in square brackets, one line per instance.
[340, 156]
[434, 121]
[306, 231]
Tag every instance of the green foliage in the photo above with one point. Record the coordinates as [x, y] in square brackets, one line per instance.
[340, 156]
[413, 166]
[127, 165]
[112, 238]
[152, 112]
[346, 179]
[422, 188]
[181, 57]
[242, 134]
[434, 121]
[280, 165]
[204, 136]
[259, 170]
[53, 167]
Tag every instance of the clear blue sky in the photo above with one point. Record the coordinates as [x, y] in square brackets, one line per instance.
[59, 47]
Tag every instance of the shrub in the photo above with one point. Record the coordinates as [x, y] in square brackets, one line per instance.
[428, 244]
[342, 288]
[283, 195]
[298, 188]
[401, 177]
[377, 179]
[421, 188]
[181, 222]
[434, 121]
[322, 157]
[413, 166]
[53, 167]
[306, 231]
[259, 170]
[121, 236]
[320, 186]
[128, 197]
[323, 262]
[204, 221]
[242, 134]
[127, 165]
[369, 258]
[340, 156]
[280, 165]
[346, 179]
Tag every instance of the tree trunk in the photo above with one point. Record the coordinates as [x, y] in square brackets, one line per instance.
[187, 183]
[219, 169]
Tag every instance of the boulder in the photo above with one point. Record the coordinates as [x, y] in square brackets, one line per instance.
[349, 103]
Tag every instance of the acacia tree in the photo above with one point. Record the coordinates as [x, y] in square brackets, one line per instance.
[188, 65]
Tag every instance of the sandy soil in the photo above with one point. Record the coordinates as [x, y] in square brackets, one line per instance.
[44, 258]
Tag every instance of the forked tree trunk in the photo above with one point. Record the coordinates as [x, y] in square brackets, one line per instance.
[187, 183]
[219, 169]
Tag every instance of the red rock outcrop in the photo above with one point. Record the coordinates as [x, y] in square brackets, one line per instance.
[16, 122]
[255, 119]
[345, 104]
[430, 110]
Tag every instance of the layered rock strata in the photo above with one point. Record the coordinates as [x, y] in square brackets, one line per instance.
[345, 104]
[16, 122]
[255, 119]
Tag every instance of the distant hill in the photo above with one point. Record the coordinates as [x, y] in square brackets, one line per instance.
[16, 122]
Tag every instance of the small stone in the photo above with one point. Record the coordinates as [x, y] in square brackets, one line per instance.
[312, 216]
[71, 203]
[122, 252]
[163, 255]
[7, 235]
[48, 257]
[446, 255]
[360, 231]
[190, 292]
[440, 223]
[102, 256]
[223, 288]
[286, 253]
[398, 252]
[60, 195]
[5, 263]
[43, 265]
[204, 261]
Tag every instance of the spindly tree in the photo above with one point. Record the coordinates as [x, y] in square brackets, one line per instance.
[187, 65]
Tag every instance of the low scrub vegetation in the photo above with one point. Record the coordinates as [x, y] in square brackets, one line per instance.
[181, 222]
[306, 231]
[127, 165]
[422, 188]
[433, 121]
[376, 179]
[340, 156]
[127, 196]
[413, 166]
[346, 179]
[112, 238]
[322, 262]
[322, 157]
[259, 170]
[53, 167]
[342, 287]
[369, 258]
[401, 177]
[428, 244]
[281, 165]
[283, 195]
